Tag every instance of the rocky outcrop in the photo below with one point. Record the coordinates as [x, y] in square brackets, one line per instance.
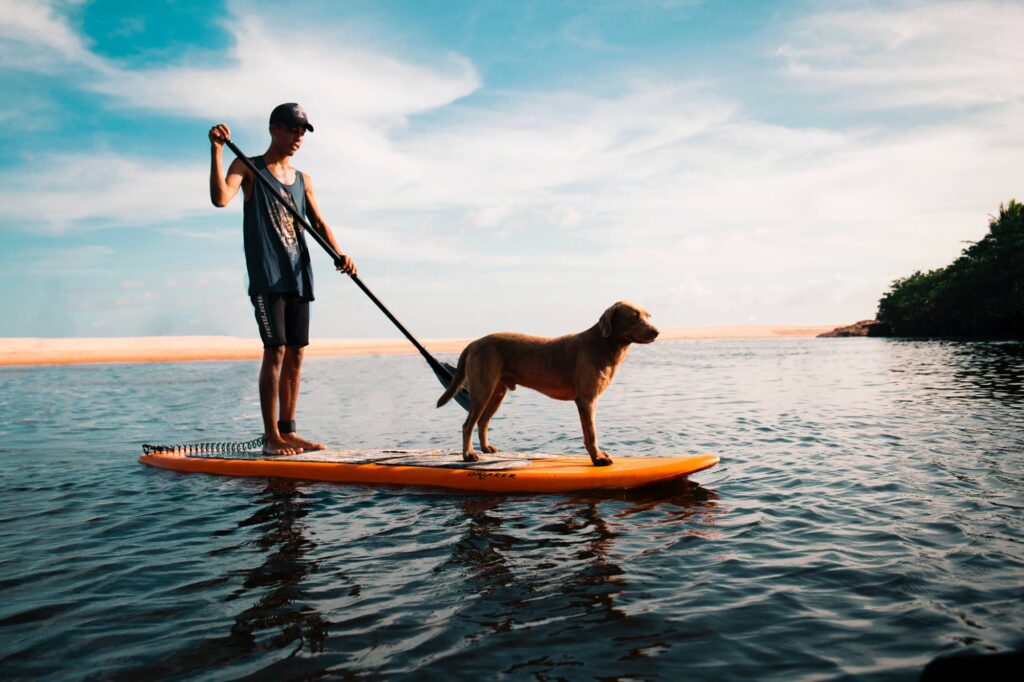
[862, 328]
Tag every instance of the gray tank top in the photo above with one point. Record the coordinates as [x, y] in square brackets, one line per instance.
[275, 248]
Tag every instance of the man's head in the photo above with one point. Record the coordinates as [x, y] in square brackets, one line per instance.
[290, 115]
[288, 123]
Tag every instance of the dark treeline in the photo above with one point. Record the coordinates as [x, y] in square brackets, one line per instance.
[981, 293]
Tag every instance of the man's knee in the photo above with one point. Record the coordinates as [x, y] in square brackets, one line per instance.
[293, 355]
[274, 355]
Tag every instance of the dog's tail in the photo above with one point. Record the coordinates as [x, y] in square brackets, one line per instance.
[457, 381]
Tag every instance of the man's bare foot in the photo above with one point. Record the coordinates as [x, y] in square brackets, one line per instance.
[276, 447]
[301, 444]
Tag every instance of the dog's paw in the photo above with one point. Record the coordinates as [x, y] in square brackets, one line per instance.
[601, 460]
[470, 457]
[490, 449]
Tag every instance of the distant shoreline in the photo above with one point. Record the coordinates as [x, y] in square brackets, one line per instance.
[40, 351]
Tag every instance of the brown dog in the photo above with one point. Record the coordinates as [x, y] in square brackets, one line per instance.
[574, 367]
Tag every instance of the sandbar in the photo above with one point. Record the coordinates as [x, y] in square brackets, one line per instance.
[69, 351]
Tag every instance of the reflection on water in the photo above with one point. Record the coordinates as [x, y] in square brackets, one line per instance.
[865, 518]
[996, 369]
[280, 613]
[952, 369]
[554, 564]
[281, 617]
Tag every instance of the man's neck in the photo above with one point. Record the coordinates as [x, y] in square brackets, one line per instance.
[276, 158]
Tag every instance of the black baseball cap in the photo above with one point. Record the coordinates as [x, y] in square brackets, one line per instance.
[291, 115]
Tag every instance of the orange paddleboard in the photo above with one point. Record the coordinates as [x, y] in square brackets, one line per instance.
[503, 472]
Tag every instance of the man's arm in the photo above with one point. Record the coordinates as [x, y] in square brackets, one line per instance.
[224, 188]
[346, 264]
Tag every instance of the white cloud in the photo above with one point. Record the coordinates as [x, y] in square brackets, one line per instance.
[949, 54]
[356, 95]
[68, 189]
[35, 36]
[336, 80]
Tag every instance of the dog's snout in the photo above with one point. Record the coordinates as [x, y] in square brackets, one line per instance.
[648, 334]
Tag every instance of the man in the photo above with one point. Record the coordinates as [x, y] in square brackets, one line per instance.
[276, 256]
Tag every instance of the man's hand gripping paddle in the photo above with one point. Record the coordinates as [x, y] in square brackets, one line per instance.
[443, 370]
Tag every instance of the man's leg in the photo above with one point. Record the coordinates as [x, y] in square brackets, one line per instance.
[291, 374]
[270, 372]
[270, 316]
[296, 318]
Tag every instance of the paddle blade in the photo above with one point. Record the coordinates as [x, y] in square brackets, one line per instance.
[444, 373]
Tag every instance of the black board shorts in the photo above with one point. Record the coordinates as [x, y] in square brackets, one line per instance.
[283, 319]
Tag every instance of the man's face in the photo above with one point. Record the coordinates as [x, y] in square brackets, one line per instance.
[287, 139]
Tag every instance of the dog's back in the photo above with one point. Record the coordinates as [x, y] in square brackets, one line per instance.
[543, 364]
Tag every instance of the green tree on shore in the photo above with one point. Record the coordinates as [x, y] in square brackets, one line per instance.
[981, 293]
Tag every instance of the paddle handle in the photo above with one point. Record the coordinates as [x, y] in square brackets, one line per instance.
[335, 256]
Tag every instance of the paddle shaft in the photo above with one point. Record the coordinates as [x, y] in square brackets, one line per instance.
[335, 256]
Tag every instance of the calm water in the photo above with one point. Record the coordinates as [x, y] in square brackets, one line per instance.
[866, 517]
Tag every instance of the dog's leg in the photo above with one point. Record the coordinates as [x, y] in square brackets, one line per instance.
[475, 410]
[485, 419]
[586, 408]
[483, 371]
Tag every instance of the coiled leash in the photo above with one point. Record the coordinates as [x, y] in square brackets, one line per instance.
[284, 426]
[203, 448]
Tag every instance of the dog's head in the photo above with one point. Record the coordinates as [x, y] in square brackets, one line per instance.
[628, 322]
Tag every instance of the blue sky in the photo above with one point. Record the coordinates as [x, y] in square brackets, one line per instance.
[504, 165]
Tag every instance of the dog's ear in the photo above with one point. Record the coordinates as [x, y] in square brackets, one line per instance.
[605, 323]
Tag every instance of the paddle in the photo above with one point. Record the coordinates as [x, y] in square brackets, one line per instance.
[444, 371]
